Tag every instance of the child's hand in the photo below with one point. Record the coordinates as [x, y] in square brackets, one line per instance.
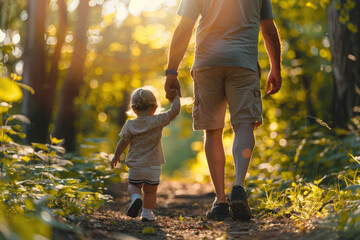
[171, 85]
[114, 161]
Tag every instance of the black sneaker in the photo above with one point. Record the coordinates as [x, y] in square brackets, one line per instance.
[133, 210]
[239, 206]
[218, 212]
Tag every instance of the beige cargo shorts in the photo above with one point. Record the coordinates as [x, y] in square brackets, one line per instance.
[217, 87]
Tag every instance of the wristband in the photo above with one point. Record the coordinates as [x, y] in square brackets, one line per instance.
[172, 72]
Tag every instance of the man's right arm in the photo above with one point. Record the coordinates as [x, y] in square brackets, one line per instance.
[273, 47]
[179, 44]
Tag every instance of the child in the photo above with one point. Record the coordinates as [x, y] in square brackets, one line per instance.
[145, 155]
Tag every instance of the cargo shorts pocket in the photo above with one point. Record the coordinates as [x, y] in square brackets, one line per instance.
[195, 111]
[200, 75]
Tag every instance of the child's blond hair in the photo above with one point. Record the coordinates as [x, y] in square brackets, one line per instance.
[142, 99]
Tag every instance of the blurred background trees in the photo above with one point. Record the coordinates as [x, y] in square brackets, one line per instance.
[84, 58]
[66, 117]
[344, 34]
[34, 105]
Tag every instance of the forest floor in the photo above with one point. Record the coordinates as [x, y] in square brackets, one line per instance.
[180, 214]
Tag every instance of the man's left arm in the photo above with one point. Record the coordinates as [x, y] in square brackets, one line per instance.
[273, 48]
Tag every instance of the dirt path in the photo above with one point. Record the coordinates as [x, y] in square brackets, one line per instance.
[180, 215]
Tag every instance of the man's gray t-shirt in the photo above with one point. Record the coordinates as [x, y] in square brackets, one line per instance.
[228, 31]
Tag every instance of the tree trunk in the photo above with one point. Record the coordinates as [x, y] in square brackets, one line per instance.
[4, 15]
[54, 70]
[65, 122]
[34, 72]
[345, 50]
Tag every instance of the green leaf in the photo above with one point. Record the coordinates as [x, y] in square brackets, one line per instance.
[4, 137]
[354, 158]
[71, 181]
[49, 175]
[29, 204]
[59, 168]
[319, 181]
[9, 90]
[64, 162]
[21, 118]
[42, 156]
[55, 141]
[69, 195]
[30, 89]
[4, 107]
[57, 148]
[148, 230]
[40, 146]
[25, 158]
[353, 188]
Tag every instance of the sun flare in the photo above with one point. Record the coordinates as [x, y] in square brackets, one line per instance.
[138, 6]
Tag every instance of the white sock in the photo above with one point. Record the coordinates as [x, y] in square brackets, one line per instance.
[148, 214]
[243, 146]
[146, 211]
[135, 196]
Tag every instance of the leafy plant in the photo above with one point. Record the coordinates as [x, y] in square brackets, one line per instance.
[38, 184]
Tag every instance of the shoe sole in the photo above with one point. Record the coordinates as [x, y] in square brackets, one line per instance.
[133, 210]
[240, 210]
[217, 217]
[147, 220]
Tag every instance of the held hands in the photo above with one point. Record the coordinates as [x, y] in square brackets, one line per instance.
[172, 87]
[114, 161]
[273, 83]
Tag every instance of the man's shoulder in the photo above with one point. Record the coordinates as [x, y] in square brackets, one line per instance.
[190, 8]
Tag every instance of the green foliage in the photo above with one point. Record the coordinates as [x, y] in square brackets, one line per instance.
[317, 176]
[38, 185]
[10, 92]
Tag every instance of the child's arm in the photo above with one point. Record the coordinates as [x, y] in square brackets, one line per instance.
[120, 148]
[175, 107]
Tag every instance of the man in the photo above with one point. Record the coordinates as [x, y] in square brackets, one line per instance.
[226, 71]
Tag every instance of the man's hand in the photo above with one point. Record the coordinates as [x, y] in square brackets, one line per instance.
[114, 162]
[273, 83]
[172, 86]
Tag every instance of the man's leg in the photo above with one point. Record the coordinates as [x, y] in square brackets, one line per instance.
[215, 156]
[242, 149]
